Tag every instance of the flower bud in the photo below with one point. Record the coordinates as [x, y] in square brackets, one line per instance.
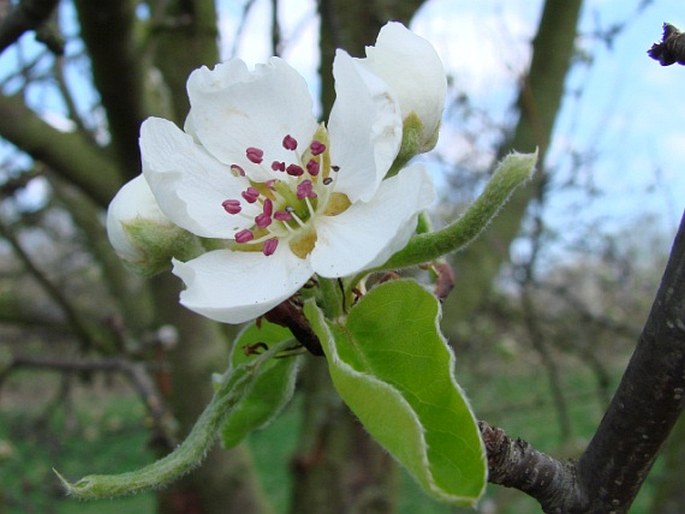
[417, 80]
[140, 233]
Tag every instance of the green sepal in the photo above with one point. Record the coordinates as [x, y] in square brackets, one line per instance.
[157, 243]
[412, 132]
[271, 390]
[392, 367]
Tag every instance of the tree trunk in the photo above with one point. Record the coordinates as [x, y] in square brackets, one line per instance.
[538, 103]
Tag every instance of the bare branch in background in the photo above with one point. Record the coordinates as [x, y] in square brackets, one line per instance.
[84, 331]
[28, 132]
[275, 29]
[27, 15]
[136, 374]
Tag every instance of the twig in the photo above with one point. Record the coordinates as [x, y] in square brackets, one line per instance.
[648, 401]
[671, 49]
[75, 319]
[515, 463]
[27, 15]
[644, 409]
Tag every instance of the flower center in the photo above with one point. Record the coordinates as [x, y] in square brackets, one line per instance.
[298, 190]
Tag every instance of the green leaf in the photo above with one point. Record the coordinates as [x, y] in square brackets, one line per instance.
[393, 368]
[271, 390]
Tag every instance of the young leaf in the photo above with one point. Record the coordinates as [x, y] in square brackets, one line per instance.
[511, 173]
[272, 389]
[234, 385]
[393, 368]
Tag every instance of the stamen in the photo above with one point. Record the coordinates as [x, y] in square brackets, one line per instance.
[335, 168]
[263, 220]
[305, 189]
[294, 170]
[270, 246]
[231, 206]
[255, 155]
[250, 195]
[243, 236]
[237, 170]
[282, 216]
[268, 207]
[278, 166]
[313, 167]
[317, 147]
[289, 142]
[327, 181]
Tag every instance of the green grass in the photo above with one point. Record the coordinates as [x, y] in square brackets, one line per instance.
[110, 436]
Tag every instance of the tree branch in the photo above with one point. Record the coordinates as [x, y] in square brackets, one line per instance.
[27, 15]
[648, 401]
[87, 333]
[69, 154]
[107, 30]
[135, 372]
[644, 409]
[515, 463]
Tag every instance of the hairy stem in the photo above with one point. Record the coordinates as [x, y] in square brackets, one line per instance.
[236, 383]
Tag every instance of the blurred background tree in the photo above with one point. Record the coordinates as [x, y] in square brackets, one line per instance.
[101, 370]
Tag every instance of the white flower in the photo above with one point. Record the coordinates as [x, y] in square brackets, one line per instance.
[415, 74]
[132, 204]
[289, 197]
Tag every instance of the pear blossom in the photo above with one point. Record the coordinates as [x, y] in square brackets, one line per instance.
[282, 196]
[138, 230]
[416, 76]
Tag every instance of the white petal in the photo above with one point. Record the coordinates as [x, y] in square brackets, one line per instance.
[234, 287]
[232, 112]
[188, 183]
[368, 234]
[414, 71]
[133, 201]
[365, 128]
